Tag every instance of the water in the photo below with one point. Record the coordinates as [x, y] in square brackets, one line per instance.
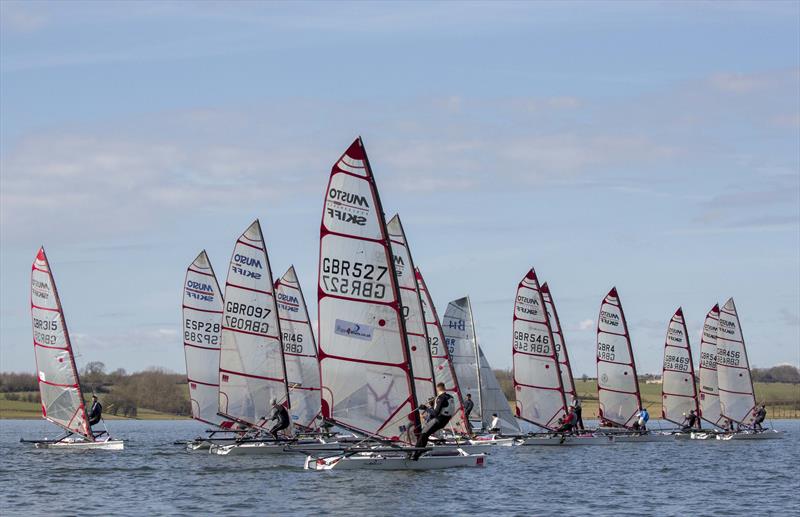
[153, 476]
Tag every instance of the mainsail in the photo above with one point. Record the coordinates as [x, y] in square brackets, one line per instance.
[416, 330]
[709, 387]
[473, 372]
[736, 396]
[365, 370]
[251, 364]
[678, 387]
[202, 337]
[59, 385]
[617, 385]
[537, 380]
[440, 355]
[460, 340]
[567, 381]
[300, 351]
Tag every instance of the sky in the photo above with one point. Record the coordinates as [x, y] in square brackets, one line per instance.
[651, 146]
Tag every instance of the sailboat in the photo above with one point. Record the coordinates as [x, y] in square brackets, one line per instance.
[538, 378]
[57, 375]
[736, 393]
[567, 380]
[474, 374]
[366, 367]
[617, 384]
[678, 385]
[709, 386]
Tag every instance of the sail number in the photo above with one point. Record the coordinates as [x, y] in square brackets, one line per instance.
[201, 332]
[728, 357]
[293, 343]
[433, 343]
[353, 278]
[531, 342]
[39, 326]
[673, 362]
[242, 316]
[707, 360]
[605, 352]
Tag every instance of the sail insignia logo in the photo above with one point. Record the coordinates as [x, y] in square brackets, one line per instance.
[40, 289]
[243, 260]
[354, 330]
[347, 207]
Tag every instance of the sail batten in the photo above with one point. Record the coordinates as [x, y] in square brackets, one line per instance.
[364, 356]
[56, 372]
[252, 371]
[736, 394]
[617, 383]
[678, 386]
[202, 338]
[300, 351]
[538, 382]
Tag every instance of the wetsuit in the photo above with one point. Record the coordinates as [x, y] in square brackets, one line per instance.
[95, 413]
[578, 417]
[691, 421]
[761, 414]
[281, 418]
[468, 406]
[443, 410]
[567, 423]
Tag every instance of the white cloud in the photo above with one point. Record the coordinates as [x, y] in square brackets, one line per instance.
[587, 324]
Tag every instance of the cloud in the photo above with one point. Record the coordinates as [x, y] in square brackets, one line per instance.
[587, 324]
[21, 17]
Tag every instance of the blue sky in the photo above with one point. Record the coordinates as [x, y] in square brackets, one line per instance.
[651, 146]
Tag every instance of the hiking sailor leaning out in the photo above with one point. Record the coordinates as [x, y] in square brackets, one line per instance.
[443, 410]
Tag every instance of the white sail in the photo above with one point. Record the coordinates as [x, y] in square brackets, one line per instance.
[709, 386]
[440, 355]
[365, 371]
[202, 337]
[494, 400]
[459, 337]
[251, 365]
[537, 380]
[678, 387]
[300, 351]
[617, 385]
[567, 381]
[736, 396]
[416, 330]
[59, 385]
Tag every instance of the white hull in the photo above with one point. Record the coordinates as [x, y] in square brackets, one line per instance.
[769, 434]
[639, 438]
[108, 445]
[262, 448]
[378, 461]
[498, 442]
[561, 441]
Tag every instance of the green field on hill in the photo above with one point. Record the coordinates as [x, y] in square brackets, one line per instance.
[22, 409]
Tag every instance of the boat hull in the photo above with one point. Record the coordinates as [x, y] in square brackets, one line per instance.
[108, 445]
[643, 438]
[265, 448]
[568, 441]
[373, 461]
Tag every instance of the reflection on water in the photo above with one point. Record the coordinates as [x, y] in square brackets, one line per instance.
[153, 476]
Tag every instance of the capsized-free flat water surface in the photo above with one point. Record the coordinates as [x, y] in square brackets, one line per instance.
[152, 476]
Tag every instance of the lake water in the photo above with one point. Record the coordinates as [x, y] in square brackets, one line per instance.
[153, 476]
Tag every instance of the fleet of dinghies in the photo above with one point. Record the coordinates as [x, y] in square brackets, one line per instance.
[355, 390]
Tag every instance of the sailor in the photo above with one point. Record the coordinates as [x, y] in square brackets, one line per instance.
[281, 418]
[761, 414]
[96, 411]
[690, 420]
[468, 407]
[568, 422]
[644, 416]
[427, 409]
[728, 425]
[495, 426]
[576, 405]
[443, 410]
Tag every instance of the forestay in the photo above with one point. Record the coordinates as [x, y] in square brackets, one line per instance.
[440, 355]
[678, 387]
[567, 380]
[617, 385]
[494, 400]
[416, 331]
[737, 401]
[709, 387]
[251, 366]
[537, 381]
[460, 340]
[300, 351]
[202, 337]
[59, 385]
[363, 353]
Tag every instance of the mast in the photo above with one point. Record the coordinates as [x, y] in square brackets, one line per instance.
[299, 350]
[736, 393]
[202, 337]
[477, 357]
[251, 366]
[709, 385]
[617, 382]
[537, 378]
[567, 380]
[678, 387]
[461, 348]
[59, 387]
[440, 354]
[364, 356]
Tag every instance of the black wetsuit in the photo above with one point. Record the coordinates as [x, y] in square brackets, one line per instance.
[96, 413]
[468, 406]
[578, 417]
[281, 418]
[440, 417]
[691, 422]
[761, 414]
